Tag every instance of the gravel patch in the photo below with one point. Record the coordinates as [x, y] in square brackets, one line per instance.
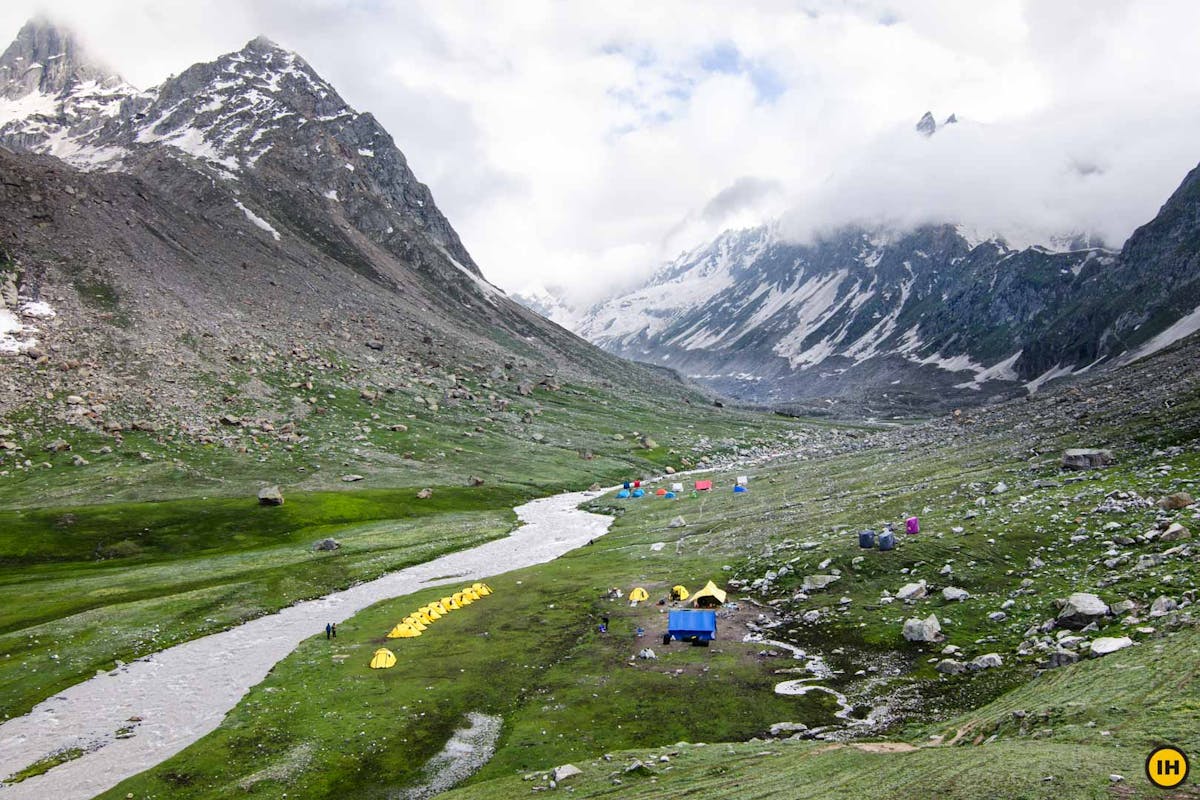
[468, 750]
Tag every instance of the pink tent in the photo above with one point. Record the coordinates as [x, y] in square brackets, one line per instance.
[703, 486]
[912, 525]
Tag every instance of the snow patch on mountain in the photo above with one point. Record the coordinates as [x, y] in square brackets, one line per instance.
[257, 220]
[1184, 326]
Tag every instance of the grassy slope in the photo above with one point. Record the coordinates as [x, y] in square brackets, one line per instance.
[531, 652]
[580, 700]
[1080, 725]
[162, 540]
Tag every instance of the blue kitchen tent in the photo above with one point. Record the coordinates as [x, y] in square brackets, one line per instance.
[693, 626]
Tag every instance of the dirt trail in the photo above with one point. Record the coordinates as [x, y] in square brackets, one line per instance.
[184, 692]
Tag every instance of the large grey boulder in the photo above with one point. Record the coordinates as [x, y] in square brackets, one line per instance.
[1162, 606]
[1174, 532]
[986, 661]
[1062, 658]
[1081, 609]
[327, 545]
[677, 522]
[954, 593]
[1084, 458]
[566, 771]
[911, 591]
[923, 630]
[1110, 644]
[948, 666]
[270, 496]
[813, 583]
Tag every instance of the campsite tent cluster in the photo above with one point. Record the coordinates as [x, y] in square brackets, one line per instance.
[634, 489]
[709, 597]
[418, 621]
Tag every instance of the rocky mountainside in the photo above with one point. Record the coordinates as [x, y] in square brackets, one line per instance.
[239, 217]
[895, 320]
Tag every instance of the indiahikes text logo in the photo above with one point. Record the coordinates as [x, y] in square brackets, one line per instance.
[1167, 767]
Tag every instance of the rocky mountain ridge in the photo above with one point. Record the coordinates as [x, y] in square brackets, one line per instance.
[908, 320]
[159, 248]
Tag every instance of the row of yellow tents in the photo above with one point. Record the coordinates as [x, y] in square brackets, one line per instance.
[412, 625]
[710, 595]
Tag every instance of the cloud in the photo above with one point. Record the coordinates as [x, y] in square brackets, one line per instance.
[569, 145]
[745, 194]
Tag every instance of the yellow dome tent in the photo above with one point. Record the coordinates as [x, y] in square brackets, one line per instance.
[431, 612]
[383, 659]
[471, 593]
[451, 604]
[482, 588]
[403, 631]
[679, 593]
[639, 594]
[437, 606]
[413, 623]
[708, 597]
[462, 599]
[421, 615]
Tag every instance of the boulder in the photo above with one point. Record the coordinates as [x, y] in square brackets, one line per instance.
[57, 446]
[1174, 533]
[678, 522]
[953, 593]
[270, 496]
[1061, 658]
[787, 728]
[1162, 606]
[352, 478]
[1000, 488]
[948, 666]
[595, 487]
[1174, 502]
[1110, 644]
[425, 493]
[923, 630]
[565, 771]
[647, 653]
[1081, 609]
[474, 480]
[912, 591]
[814, 583]
[986, 661]
[1123, 607]
[1083, 458]
[327, 545]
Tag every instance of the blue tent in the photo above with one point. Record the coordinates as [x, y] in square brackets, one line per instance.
[739, 489]
[699, 626]
[639, 493]
[669, 495]
[621, 495]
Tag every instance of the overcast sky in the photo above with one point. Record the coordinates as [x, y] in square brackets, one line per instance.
[582, 143]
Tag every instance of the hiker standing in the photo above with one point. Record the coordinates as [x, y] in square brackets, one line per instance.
[333, 630]
[328, 630]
